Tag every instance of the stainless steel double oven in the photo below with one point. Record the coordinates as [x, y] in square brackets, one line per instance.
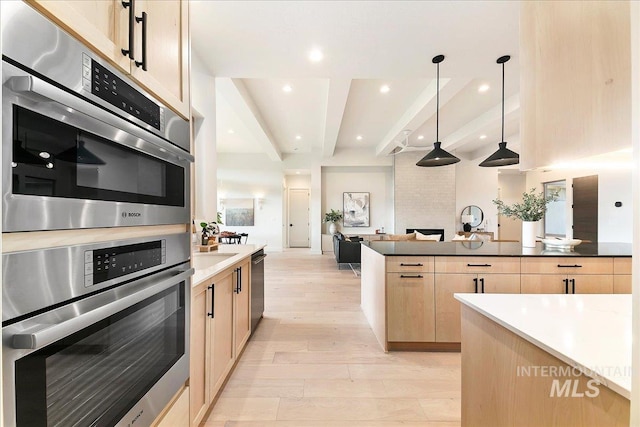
[92, 334]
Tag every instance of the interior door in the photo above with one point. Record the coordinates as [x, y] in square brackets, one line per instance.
[585, 208]
[299, 218]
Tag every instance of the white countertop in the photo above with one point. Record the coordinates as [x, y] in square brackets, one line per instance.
[590, 332]
[208, 264]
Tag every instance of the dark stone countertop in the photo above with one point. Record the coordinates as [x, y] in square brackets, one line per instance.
[508, 249]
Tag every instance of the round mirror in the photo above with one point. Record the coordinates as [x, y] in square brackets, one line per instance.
[471, 215]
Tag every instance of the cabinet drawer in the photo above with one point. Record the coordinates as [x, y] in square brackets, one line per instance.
[399, 264]
[622, 266]
[477, 265]
[567, 265]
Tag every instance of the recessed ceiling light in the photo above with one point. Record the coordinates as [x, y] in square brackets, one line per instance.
[44, 155]
[297, 172]
[420, 137]
[359, 137]
[230, 131]
[315, 55]
[287, 88]
[483, 136]
[483, 88]
[384, 88]
[298, 137]
[14, 164]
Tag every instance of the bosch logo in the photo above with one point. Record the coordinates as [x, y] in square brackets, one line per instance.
[130, 214]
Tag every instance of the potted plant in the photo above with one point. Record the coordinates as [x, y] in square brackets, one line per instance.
[332, 217]
[530, 211]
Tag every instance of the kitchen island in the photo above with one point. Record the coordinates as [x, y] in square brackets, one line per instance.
[546, 360]
[407, 288]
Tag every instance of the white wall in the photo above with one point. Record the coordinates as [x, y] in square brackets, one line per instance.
[203, 101]
[614, 224]
[255, 176]
[511, 185]
[375, 180]
[476, 186]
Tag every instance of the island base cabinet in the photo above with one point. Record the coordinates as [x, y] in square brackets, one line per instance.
[448, 308]
[563, 284]
[410, 307]
[497, 392]
[622, 284]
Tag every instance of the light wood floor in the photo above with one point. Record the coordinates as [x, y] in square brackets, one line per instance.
[314, 361]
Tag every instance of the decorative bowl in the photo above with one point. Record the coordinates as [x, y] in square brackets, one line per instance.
[561, 244]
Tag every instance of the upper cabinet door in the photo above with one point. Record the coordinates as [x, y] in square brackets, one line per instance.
[104, 26]
[575, 80]
[166, 50]
[101, 24]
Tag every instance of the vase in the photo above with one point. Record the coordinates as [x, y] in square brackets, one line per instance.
[332, 228]
[529, 229]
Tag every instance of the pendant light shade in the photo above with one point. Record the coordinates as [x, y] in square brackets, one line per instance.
[437, 156]
[504, 156]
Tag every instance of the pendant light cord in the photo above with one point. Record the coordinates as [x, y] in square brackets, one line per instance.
[502, 140]
[437, 100]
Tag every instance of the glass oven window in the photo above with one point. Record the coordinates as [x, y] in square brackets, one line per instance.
[51, 158]
[96, 375]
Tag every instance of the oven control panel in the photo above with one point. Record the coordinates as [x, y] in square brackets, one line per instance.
[104, 84]
[101, 265]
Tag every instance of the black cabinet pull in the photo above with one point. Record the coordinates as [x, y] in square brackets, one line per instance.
[213, 301]
[419, 264]
[482, 283]
[569, 266]
[132, 14]
[237, 289]
[143, 63]
[573, 286]
[566, 285]
[478, 265]
[417, 276]
[475, 282]
[240, 278]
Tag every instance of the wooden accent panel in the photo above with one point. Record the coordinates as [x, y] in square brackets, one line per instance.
[447, 307]
[539, 265]
[373, 293]
[500, 283]
[198, 352]
[176, 414]
[585, 208]
[452, 264]
[408, 264]
[410, 307]
[12, 242]
[622, 265]
[494, 395]
[622, 284]
[542, 283]
[560, 119]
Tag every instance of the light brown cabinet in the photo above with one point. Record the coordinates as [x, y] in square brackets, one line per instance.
[560, 56]
[104, 26]
[469, 275]
[177, 412]
[622, 276]
[567, 275]
[220, 327]
[410, 307]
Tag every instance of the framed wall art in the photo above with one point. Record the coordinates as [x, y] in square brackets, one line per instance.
[238, 212]
[356, 209]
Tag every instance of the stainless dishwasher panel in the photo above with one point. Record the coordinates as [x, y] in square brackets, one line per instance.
[257, 288]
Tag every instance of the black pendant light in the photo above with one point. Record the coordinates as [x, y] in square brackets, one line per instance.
[504, 156]
[437, 156]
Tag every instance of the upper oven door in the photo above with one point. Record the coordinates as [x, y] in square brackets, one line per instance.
[68, 163]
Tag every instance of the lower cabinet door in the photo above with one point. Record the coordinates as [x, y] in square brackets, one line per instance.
[499, 283]
[242, 301]
[221, 338]
[447, 307]
[200, 306]
[622, 284]
[410, 307]
[596, 284]
[543, 284]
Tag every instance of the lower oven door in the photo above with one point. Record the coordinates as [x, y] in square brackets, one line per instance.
[118, 361]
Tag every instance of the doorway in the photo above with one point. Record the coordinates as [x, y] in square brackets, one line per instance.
[585, 208]
[299, 218]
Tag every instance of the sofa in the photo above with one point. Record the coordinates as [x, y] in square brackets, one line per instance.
[346, 249]
[418, 234]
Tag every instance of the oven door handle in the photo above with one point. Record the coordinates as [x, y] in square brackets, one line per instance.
[42, 335]
[40, 91]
